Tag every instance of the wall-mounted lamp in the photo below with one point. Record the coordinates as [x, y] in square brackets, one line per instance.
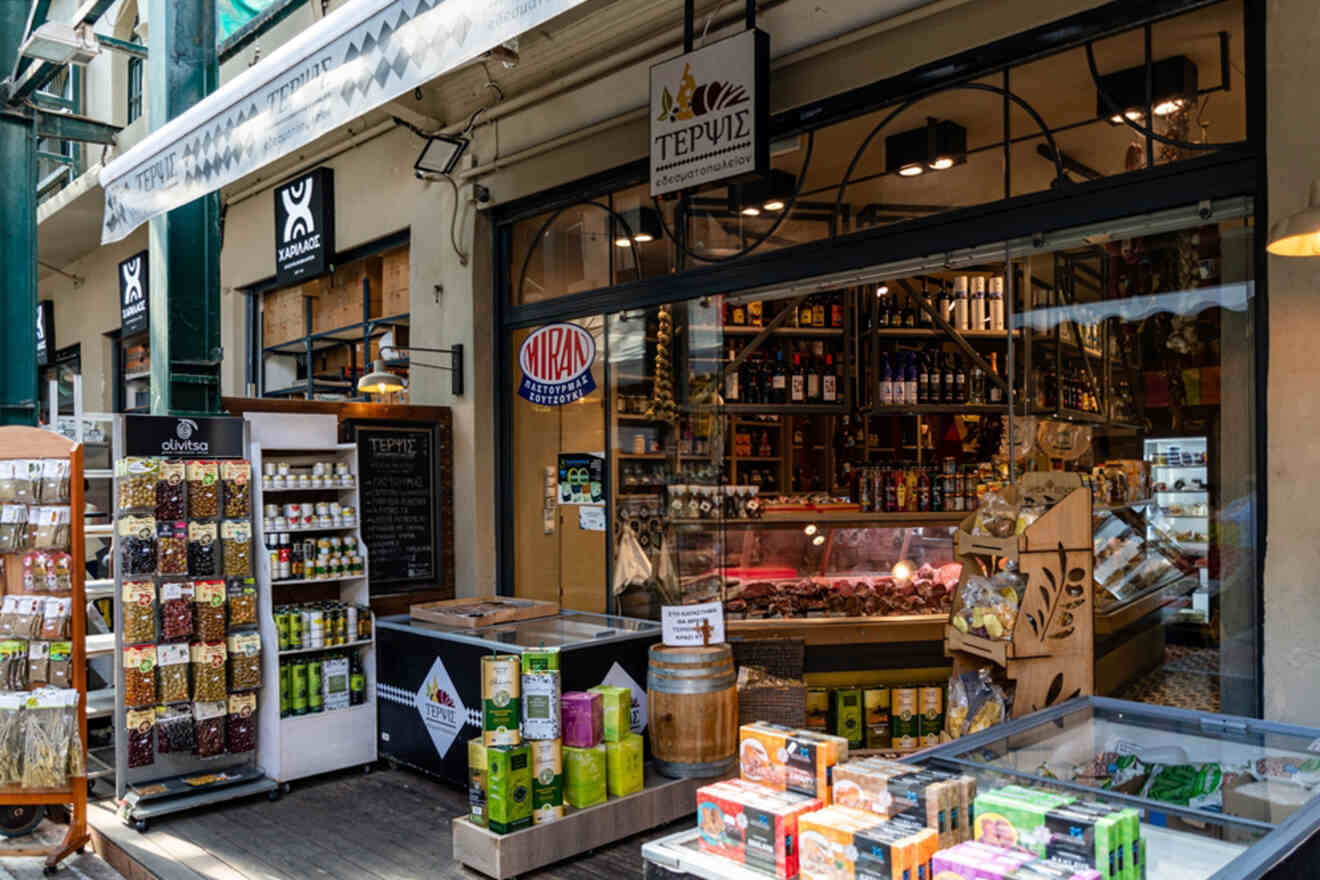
[440, 154]
[642, 221]
[1173, 87]
[381, 381]
[1298, 235]
[938, 146]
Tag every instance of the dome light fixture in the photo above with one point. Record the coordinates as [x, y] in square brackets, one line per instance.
[379, 380]
[1298, 235]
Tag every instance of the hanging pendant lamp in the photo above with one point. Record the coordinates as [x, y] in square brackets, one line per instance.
[1298, 235]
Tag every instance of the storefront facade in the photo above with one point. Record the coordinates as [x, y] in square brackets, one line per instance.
[1161, 232]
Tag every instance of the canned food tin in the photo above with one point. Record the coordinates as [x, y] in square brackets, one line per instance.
[351, 625]
[295, 629]
[271, 511]
[282, 468]
[501, 681]
[268, 468]
[904, 718]
[286, 686]
[931, 703]
[298, 675]
[282, 627]
[317, 629]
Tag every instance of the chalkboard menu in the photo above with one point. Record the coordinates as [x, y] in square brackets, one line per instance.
[397, 467]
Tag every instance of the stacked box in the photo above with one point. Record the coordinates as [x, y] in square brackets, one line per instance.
[1055, 826]
[547, 780]
[826, 849]
[509, 788]
[752, 825]
[540, 660]
[900, 847]
[581, 719]
[978, 861]
[477, 781]
[810, 759]
[940, 800]
[501, 680]
[623, 765]
[616, 711]
[762, 752]
[584, 775]
[540, 703]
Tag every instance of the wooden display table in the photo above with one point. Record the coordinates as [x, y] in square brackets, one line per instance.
[500, 856]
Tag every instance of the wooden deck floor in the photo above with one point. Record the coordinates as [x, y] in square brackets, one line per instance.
[387, 825]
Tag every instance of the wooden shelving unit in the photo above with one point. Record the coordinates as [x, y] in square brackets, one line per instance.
[1051, 653]
[31, 443]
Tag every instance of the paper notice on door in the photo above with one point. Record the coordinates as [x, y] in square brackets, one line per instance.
[591, 518]
[693, 624]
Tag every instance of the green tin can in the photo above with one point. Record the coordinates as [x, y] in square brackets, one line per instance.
[282, 627]
[298, 677]
[315, 695]
[286, 685]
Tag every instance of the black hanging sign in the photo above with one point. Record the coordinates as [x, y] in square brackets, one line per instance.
[45, 331]
[304, 226]
[177, 437]
[398, 479]
[134, 291]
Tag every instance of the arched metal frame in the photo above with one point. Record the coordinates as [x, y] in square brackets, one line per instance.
[536, 241]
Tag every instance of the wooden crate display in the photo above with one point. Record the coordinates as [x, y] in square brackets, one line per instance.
[283, 316]
[1051, 653]
[341, 304]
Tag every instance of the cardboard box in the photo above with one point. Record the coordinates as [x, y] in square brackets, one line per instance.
[584, 775]
[623, 765]
[752, 825]
[811, 759]
[616, 711]
[540, 705]
[825, 842]
[582, 719]
[762, 753]
[509, 794]
[901, 848]
[395, 287]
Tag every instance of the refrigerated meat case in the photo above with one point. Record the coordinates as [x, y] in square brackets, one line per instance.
[1255, 815]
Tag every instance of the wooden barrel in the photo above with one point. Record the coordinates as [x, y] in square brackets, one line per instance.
[692, 711]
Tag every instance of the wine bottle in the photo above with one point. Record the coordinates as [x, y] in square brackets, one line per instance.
[779, 380]
[910, 379]
[959, 380]
[994, 393]
[923, 319]
[829, 381]
[813, 374]
[798, 387]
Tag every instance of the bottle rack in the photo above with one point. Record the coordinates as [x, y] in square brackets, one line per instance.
[296, 747]
[1050, 654]
[29, 443]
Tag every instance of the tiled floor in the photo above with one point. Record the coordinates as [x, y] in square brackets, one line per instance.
[1188, 679]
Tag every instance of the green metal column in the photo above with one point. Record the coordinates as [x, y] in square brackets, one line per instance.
[182, 68]
[18, 242]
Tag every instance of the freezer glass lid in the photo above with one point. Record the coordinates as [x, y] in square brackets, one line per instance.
[1216, 763]
[564, 630]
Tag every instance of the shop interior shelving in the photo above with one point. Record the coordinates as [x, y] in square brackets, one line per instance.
[296, 747]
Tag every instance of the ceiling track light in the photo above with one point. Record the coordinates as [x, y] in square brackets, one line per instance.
[641, 222]
[1173, 88]
[938, 146]
[769, 192]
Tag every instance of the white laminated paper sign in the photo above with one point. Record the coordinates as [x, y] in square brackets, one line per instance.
[686, 625]
[591, 518]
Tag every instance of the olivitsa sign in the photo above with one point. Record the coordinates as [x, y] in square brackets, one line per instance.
[709, 111]
[304, 226]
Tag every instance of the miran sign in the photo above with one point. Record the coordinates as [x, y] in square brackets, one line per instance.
[134, 293]
[709, 114]
[556, 365]
[304, 226]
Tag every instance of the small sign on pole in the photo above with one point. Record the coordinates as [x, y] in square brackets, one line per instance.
[690, 625]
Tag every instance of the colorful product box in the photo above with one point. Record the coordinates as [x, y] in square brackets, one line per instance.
[825, 842]
[616, 711]
[623, 765]
[809, 762]
[509, 793]
[895, 850]
[540, 705]
[581, 719]
[477, 769]
[547, 780]
[584, 775]
[846, 715]
[941, 801]
[1047, 825]
[501, 689]
[762, 754]
[752, 825]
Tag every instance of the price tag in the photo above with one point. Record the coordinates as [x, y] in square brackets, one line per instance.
[687, 625]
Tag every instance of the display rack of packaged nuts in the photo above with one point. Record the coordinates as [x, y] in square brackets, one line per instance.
[186, 591]
[43, 634]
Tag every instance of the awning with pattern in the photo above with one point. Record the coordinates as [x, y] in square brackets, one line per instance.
[363, 55]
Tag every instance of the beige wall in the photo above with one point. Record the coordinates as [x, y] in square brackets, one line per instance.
[1292, 561]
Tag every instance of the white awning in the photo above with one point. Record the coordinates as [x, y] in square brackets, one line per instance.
[363, 55]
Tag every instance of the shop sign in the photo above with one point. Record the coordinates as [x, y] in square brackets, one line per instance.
[45, 331]
[581, 478]
[618, 677]
[441, 708]
[305, 226]
[171, 436]
[710, 114]
[556, 364]
[134, 293]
